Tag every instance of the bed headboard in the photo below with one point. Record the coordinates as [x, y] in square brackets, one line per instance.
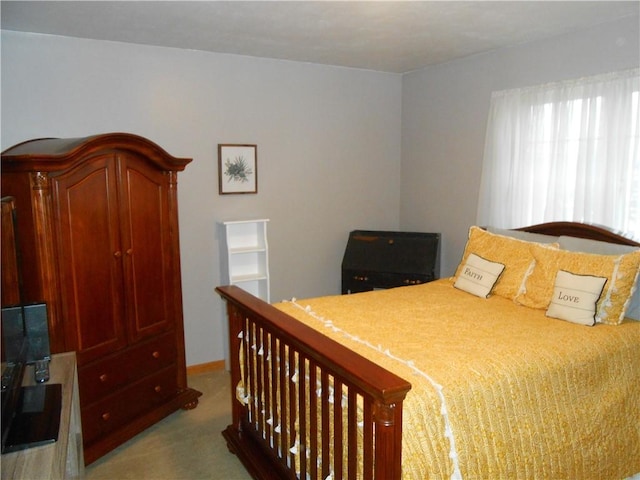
[580, 230]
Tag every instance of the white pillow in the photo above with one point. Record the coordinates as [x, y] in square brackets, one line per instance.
[522, 235]
[633, 312]
[575, 297]
[575, 244]
[478, 276]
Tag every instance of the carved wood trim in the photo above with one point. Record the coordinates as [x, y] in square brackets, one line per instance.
[43, 223]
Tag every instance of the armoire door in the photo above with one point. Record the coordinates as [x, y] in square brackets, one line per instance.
[147, 247]
[90, 257]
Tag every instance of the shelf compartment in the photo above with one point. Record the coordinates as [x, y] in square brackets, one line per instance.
[247, 235]
[246, 256]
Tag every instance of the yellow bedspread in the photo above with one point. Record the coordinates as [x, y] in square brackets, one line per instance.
[499, 391]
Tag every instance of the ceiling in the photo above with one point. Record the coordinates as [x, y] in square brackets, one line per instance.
[389, 36]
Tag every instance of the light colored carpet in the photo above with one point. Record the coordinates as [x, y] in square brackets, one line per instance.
[187, 445]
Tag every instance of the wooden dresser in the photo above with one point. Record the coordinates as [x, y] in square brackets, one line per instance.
[381, 259]
[62, 459]
[98, 234]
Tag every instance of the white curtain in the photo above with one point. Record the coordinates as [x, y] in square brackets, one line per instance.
[566, 151]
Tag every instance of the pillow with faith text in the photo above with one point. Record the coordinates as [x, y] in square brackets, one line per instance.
[478, 276]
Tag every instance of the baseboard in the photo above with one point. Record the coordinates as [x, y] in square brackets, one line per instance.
[205, 367]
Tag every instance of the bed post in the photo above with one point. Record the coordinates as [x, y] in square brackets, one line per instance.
[388, 418]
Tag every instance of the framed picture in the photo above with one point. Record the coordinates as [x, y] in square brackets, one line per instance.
[237, 169]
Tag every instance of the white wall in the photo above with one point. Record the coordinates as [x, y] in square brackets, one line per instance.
[329, 141]
[444, 116]
[328, 149]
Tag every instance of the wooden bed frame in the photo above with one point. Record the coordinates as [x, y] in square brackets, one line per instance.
[260, 444]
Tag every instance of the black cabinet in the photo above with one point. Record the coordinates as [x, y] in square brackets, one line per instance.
[380, 259]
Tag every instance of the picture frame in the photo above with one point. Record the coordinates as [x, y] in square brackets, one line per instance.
[237, 168]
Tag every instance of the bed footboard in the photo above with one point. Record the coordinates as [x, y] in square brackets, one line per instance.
[303, 406]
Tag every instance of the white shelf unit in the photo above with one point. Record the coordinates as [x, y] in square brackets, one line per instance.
[247, 256]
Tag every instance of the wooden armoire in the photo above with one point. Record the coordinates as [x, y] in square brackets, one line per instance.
[98, 234]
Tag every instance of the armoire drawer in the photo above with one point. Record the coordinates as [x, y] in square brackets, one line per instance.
[114, 411]
[101, 378]
[114, 372]
[151, 356]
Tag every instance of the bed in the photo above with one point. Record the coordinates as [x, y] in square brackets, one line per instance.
[502, 378]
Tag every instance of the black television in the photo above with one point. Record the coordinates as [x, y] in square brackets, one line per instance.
[30, 414]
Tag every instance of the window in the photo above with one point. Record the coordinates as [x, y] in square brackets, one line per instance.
[565, 151]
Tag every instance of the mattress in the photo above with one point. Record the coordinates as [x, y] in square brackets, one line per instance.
[498, 390]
